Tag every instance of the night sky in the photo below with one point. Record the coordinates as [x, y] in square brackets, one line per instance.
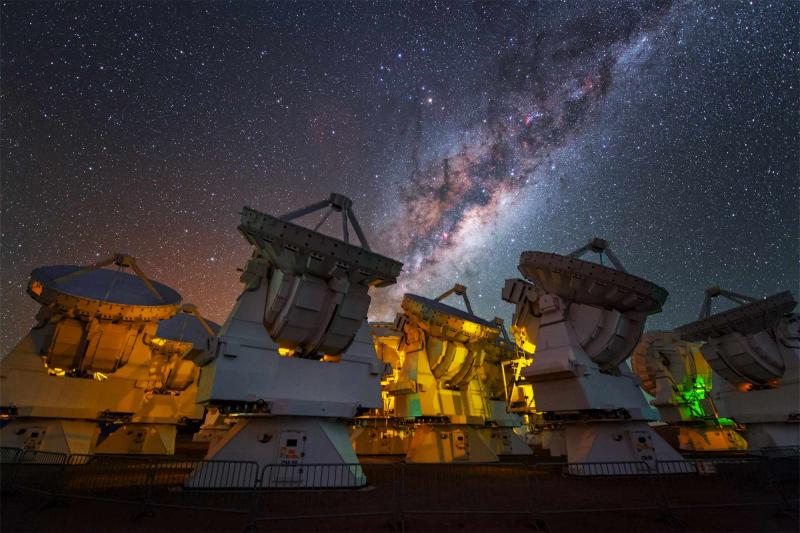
[465, 133]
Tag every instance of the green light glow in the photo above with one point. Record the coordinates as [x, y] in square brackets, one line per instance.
[692, 393]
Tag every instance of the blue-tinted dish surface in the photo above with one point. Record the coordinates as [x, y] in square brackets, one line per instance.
[186, 328]
[104, 285]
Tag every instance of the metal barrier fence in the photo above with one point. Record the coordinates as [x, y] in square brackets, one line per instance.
[594, 487]
[297, 492]
[396, 491]
[18, 466]
[163, 482]
[349, 476]
[733, 482]
[783, 469]
[9, 455]
[43, 458]
[465, 488]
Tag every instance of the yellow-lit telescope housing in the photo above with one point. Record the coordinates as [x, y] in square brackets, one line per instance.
[447, 382]
[100, 356]
[455, 342]
[381, 431]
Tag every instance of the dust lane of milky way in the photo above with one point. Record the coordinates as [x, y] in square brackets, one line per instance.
[538, 95]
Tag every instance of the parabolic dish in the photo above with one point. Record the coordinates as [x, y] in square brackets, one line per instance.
[185, 327]
[588, 283]
[110, 294]
[746, 319]
[283, 241]
[440, 315]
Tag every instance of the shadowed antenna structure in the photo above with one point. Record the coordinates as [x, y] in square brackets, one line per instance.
[601, 247]
[335, 203]
[713, 292]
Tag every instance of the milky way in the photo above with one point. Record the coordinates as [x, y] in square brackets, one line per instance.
[464, 132]
[541, 89]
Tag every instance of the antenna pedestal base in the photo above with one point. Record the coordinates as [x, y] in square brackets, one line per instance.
[51, 435]
[710, 438]
[144, 439]
[549, 439]
[632, 442]
[290, 451]
[504, 441]
[449, 443]
[383, 440]
[214, 427]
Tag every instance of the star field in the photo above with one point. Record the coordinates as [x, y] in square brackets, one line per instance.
[465, 133]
